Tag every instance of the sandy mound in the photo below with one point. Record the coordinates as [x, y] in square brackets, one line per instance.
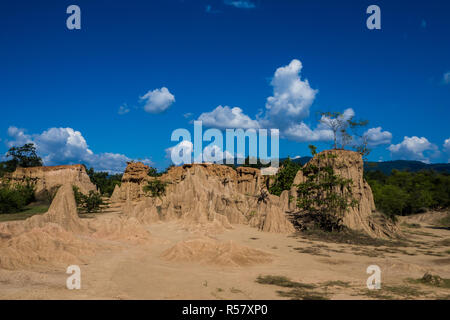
[432, 217]
[60, 236]
[49, 245]
[209, 251]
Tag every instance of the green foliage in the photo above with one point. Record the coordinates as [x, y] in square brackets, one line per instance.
[87, 203]
[153, 172]
[404, 193]
[285, 177]
[15, 198]
[156, 188]
[323, 198]
[24, 157]
[104, 181]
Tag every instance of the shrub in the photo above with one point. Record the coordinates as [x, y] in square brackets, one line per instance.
[285, 177]
[156, 188]
[87, 203]
[104, 181]
[323, 198]
[15, 198]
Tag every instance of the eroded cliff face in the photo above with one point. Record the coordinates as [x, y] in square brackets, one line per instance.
[133, 180]
[210, 195]
[348, 165]
[48, 179]
[218, 196]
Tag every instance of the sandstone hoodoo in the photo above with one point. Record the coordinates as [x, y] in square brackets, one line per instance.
[134, 178]
[47, 180]
[346, 165]
[205, 194]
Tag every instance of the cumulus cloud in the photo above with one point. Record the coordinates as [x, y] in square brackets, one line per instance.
[241, 4]
[413, 148]
[158, 100]
[302, 133]
[59, 146]
[226, 117]
[446, 78]
[376, 136]
[285, 109]
[292, 97]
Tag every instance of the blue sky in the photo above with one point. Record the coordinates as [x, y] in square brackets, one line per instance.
[116, 89]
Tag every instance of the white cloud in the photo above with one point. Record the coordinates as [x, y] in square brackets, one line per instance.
[158, 100]
[181, 150]
[446, 78]
[376, 137]
[447, 147]
[292, 97]
[226, 117]
[285, 109]
[412, 148]
[302, 133]
[215, 154]
[242, 4]
[59, 146]
[123, 109]
[211, 153]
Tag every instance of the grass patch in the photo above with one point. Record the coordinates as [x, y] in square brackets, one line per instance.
[404, 291]
[28, 211]
[337, 283]
[394, 292]
[299, 291]
[311, 250]
[282, 281]
[377, 294]
[350, 237]
[432, 280]
[411, 225]
[299, 294]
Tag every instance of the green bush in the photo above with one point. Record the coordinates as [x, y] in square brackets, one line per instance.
[87, 203]
[155, 188]
[323, 198]
[104, 181]
[285, 177]
[15, 198]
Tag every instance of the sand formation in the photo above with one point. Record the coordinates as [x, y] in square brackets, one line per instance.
[211, 194]
[60, 236]
[205, 199]
[208, 194]
[48, 179]
[348, 165]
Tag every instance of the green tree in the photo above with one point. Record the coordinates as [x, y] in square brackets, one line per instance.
[284, 177]
[24, 156]
[324, 197]
[155, 188]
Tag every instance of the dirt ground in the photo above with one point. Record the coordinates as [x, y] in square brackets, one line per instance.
[312, 269]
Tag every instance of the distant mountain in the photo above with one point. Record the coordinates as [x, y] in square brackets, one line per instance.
[387, 166]
[405, 165]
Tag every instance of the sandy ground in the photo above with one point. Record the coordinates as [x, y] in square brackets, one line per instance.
[338, 271]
